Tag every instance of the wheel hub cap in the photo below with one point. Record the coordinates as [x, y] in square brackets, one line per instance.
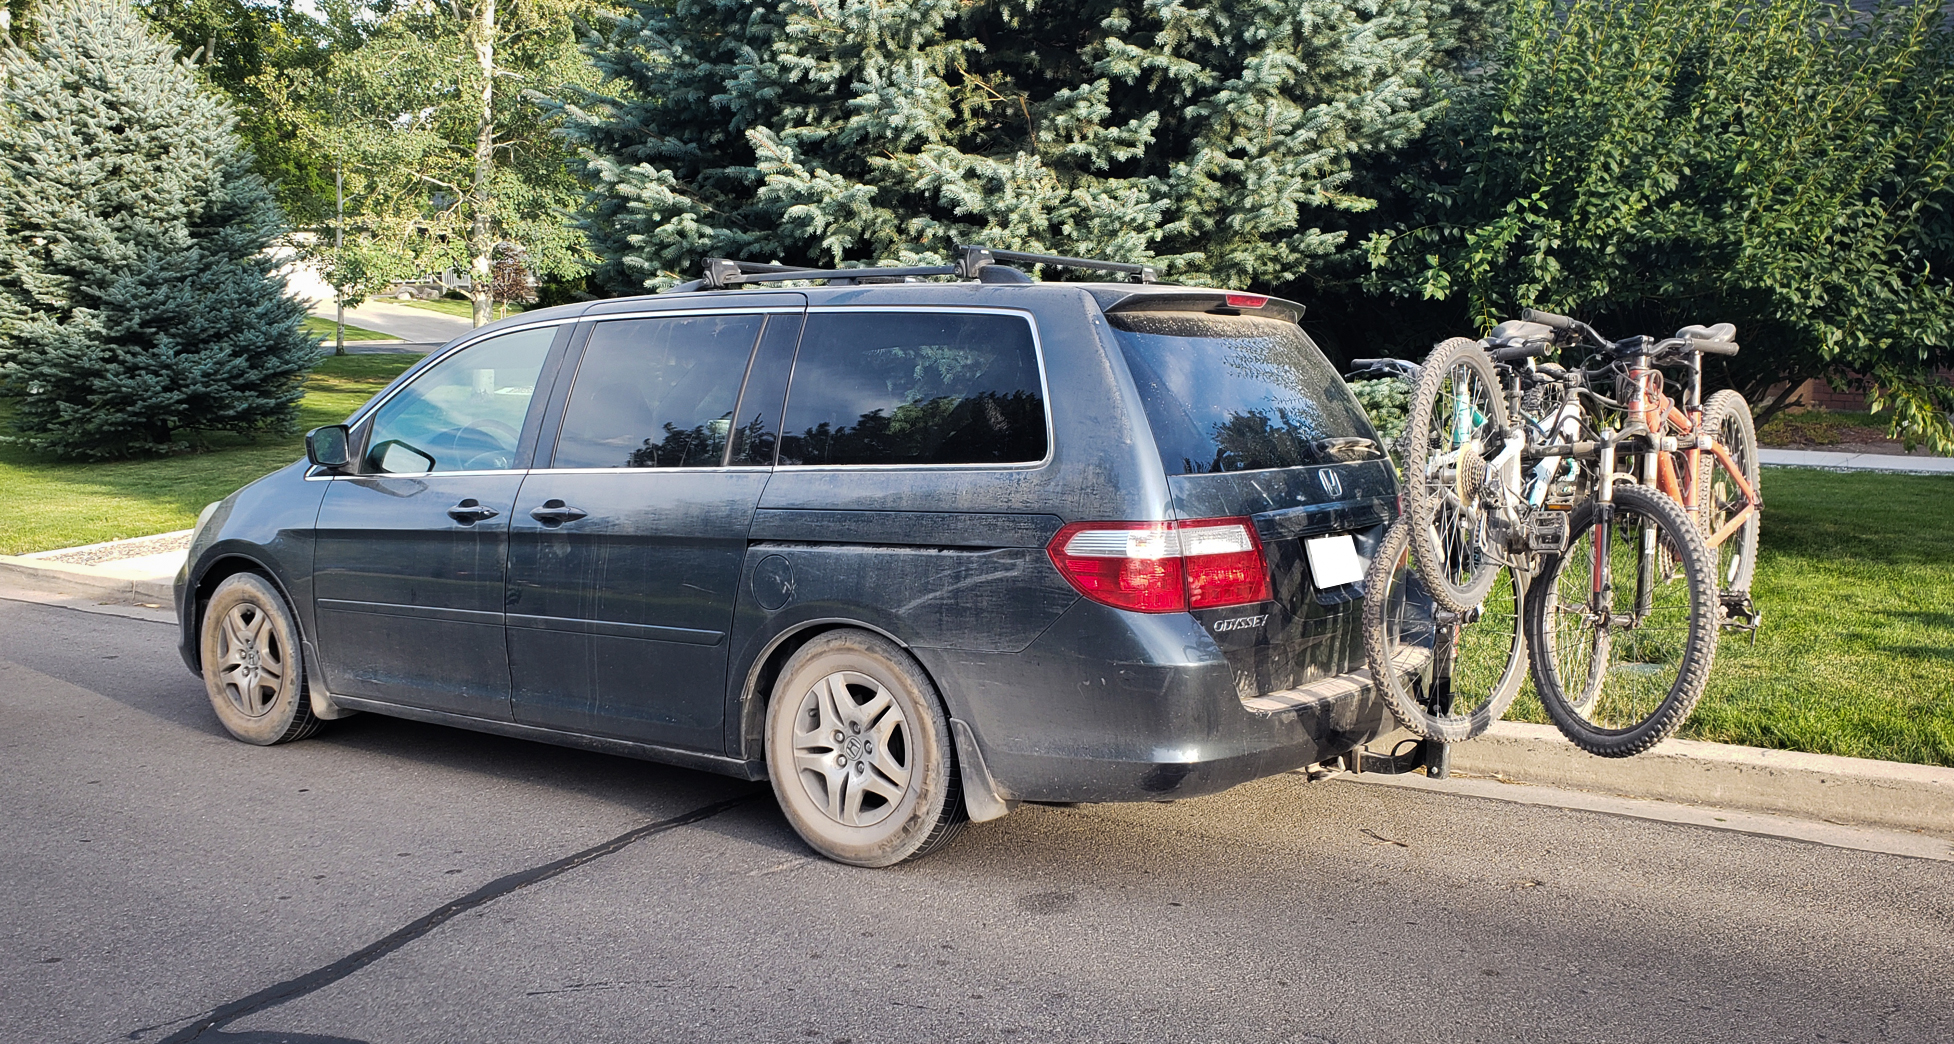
[250, 660]
[852, 749]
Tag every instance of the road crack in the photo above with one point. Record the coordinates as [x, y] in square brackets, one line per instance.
[319, 978]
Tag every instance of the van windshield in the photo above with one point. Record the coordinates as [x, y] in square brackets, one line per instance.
[1239, 393]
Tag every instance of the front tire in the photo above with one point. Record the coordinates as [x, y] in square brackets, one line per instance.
[1620, 662]
[253, 669]
[858, 750]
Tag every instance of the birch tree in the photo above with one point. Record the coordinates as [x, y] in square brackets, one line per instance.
[440, 156]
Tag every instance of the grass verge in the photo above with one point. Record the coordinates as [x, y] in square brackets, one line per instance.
[54, 503]
[325, 328]
[1855, 575]
[460, 309]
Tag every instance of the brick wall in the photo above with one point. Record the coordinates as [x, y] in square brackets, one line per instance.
[1820, 395]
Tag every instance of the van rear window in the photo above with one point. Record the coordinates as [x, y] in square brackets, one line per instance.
[1239, 393]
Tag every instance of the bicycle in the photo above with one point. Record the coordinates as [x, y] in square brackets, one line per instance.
[1478, 407]
[1619, 664]
[1449, 662]
[1701, 454]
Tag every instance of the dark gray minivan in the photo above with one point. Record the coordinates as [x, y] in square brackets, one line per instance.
[915, 551]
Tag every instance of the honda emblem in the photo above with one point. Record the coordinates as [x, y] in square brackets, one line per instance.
[1331, 483]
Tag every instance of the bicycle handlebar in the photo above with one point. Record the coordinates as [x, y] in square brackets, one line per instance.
[1513, 353]
[1558, 322]
[1714, 347]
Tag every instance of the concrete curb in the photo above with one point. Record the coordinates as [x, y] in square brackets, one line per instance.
[75, 579]
[1856, 791]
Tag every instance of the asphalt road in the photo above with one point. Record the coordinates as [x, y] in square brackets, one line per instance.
[395, 882]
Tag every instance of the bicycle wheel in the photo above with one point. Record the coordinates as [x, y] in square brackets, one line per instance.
[1403, 629]
[1456, 406]
[1727, 416]
[1622, 627]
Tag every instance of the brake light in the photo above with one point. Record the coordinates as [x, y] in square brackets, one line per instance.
[1246, 300]
[1163, 567]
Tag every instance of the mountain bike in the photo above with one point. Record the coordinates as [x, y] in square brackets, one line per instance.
[1446, 589]
[1702, 454]
[1622, 624]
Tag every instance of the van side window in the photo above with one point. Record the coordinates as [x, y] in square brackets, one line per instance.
[465, 413]
[914, 388]
[656, 393]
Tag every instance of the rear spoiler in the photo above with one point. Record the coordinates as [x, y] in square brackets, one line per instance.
[1195, 299]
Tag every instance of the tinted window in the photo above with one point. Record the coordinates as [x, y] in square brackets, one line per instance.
[656, 393]
[465, 413]
[914, 388]
[1239, 393]
[757, 435]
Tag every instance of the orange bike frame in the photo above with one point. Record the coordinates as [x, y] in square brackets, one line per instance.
[1658, 414]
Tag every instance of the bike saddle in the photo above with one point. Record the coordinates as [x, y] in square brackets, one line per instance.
[1719, 332]
[1521, 330]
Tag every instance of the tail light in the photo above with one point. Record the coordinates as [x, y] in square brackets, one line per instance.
[1163, 567]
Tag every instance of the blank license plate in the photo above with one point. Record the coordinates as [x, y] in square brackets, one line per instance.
[1333, 560]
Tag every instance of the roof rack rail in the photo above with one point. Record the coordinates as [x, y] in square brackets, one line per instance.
[723, 273]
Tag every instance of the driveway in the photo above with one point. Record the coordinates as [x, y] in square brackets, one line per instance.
[388, 881]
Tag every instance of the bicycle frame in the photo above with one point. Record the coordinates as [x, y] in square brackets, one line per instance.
[1656, 413]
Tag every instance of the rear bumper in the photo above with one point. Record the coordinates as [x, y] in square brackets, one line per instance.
[1116, 706]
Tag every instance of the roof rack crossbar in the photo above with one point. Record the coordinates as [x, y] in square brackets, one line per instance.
[1145, 272]
[722, 273]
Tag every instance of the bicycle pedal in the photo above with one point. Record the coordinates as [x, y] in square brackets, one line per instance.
[1741, 614]
[1547, 531]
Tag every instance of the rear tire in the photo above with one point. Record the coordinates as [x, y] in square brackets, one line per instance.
[254, 671]
[1727, 416]
[859, 752]
[1620, 685]
[1450, 538]
[1489, 658]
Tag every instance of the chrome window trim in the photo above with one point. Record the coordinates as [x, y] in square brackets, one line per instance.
[647, 471]
[330, 477]
[1044, 390]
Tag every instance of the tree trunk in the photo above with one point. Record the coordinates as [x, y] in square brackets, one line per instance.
[339, 243]
[481, 243]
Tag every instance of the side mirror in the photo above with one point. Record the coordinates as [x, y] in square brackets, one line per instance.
[398, 458]
[326, 447]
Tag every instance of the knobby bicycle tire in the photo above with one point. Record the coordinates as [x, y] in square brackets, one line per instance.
[1727, 416]
[1618, 688]
[1452, 553]
[1400, 632]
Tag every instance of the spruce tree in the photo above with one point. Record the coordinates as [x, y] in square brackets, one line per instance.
[138, 300]
[1212, 137]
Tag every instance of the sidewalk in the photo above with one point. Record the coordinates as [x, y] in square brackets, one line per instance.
[1791, 458]
[143, 569]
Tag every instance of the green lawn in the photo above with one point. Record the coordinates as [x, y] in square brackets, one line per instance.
[461, 309]
[1855, 575]
[326, 328]
[54, 504]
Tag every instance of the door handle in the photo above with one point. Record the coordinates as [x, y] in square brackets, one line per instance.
[471, 511]
[555, 513]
